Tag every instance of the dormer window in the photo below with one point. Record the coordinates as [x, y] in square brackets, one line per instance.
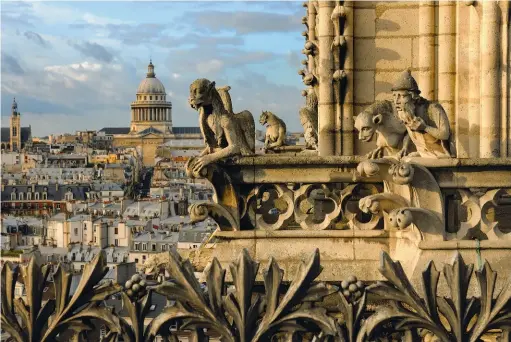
[13, 196]
[45, 195]
[20, 196]
[29, 196]
[36, 196]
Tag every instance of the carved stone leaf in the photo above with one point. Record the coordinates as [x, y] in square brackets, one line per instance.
[294, 295]
[352, 315]
[243, 272]
[458, 278]
[215, 276]
[430, 278]
[186, 288]
[272, 278]
[9, 321]
[494, 314]
[316, 316]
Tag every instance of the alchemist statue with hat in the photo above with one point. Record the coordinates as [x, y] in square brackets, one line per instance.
[426, 121]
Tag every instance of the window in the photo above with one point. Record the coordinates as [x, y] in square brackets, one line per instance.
[76, 231]
[145, 97]
[152, 307]
[58, 206]
[29, 196]
[94, 229]
[36, 196]
[116, 230]
[45, 196]
[116, 242]
[14, 131]
[136, 260]
[84, 226]
[136, 246]
[150, 97]
[163, 248]
[95, 239]
[144, 246]
[153, 247]
[143, 258]
[20, 196]
[13, 196]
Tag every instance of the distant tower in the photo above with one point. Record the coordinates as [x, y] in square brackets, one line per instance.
[15, 127]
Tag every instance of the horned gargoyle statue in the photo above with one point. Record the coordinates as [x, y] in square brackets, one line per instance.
[225, 134]
[275, 132]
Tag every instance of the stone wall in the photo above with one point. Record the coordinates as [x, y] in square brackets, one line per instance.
[457, 51]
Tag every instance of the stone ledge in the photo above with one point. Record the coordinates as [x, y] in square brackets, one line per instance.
[319, 234]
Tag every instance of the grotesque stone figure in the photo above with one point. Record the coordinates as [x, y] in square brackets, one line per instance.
[426, 121]
[275, 131]
[309, 119]
[225, 134]
[379, 118]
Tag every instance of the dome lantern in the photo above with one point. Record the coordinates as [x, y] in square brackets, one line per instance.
[150, 70]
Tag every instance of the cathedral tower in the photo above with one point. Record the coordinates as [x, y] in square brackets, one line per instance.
[15, 128]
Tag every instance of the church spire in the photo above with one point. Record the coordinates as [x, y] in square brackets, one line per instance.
[14, 107]
[150, 69]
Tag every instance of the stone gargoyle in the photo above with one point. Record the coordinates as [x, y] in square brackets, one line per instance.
[309, 119]
[275, 132]
[226, 134]
[379, 119]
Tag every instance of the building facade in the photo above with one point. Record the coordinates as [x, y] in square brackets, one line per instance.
[151, 121]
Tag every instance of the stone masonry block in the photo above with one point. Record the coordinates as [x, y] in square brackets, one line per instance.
[398, 22]
[393, 54]
[364, 21]
[364, 87]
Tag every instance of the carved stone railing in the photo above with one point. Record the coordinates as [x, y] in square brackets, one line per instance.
[246, 310]
[352, 208]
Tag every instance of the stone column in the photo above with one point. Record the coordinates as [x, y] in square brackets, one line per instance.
[311, 21]
[505, 82]
[474, 116]
[427, 49]
[347, 109]
[490, 81]
[462, 79]
[326, 107]
[447, 60]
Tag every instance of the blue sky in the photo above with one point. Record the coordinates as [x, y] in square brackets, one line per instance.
[77, 65]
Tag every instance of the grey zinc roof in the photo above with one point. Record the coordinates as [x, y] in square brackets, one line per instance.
[115, 130]
[54, 193]
[172, 237]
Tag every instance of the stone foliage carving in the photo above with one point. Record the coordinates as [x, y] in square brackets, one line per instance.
[309, 119]
[225, 134]
[240, 311]
[275, 132]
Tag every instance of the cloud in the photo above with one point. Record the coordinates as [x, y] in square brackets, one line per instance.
[93, 50]
[135, 34]
[194, 39]
[10, 65]
[243, 22]
[36, 38]
[175, 75]
[211, 66]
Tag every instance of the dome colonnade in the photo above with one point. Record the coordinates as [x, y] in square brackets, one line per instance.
[151, 106]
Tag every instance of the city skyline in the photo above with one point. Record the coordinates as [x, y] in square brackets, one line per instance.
[87, 58]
